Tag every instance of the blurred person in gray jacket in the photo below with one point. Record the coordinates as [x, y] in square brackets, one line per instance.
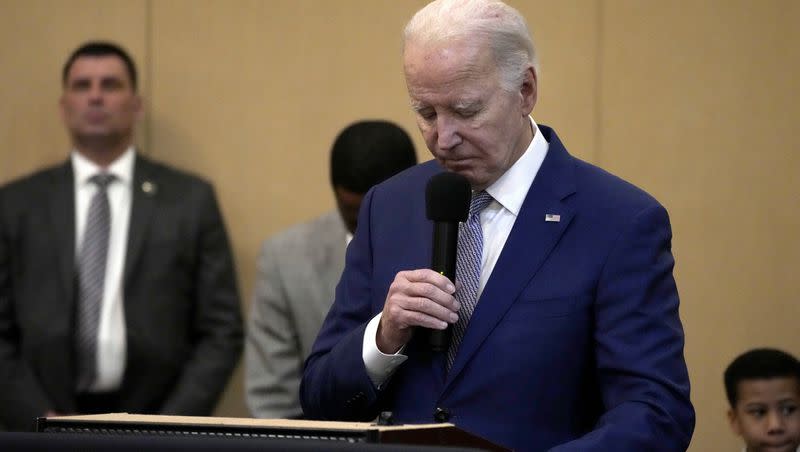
[298, 268]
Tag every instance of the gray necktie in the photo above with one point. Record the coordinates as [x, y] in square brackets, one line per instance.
[91, 279]
[468, 269]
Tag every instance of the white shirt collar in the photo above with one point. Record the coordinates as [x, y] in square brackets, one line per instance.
[122, 167]
[512, 187]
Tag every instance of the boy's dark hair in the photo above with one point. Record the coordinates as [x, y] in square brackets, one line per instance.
[368, 152]
[101, 49]
[759, 364]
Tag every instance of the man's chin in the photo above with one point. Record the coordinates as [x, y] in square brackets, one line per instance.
[94, 133]
[98, 140]
[459, 168]
[782, 447]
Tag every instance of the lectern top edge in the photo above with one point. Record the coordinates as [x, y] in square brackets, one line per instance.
[232, 421]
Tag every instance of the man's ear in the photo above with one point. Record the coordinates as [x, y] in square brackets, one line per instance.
[733, 420]
[139, 107]
[529, 90]
[61, 108]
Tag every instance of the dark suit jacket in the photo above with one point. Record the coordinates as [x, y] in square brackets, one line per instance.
[575, 341]
[182, 315]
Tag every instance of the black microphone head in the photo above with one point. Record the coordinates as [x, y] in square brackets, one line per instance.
[447, 197]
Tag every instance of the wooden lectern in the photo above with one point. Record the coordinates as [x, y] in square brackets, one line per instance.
[350, 432]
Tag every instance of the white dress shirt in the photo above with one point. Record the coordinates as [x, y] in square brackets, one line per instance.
[111, 341]
[497, 219]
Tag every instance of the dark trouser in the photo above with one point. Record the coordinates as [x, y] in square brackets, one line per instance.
[98, 402]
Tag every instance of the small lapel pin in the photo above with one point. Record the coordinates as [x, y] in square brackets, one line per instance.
[149, 187]
[552, 217]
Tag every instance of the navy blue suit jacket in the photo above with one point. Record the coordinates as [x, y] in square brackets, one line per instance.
[576, 340]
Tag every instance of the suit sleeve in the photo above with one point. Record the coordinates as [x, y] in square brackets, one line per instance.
[639, 342]
[335, 383]
[22, 398]
[273, 360]
[217, 331]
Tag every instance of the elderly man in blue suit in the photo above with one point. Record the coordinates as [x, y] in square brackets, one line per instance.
[572, 340]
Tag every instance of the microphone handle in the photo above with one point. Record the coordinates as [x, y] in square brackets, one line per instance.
[445, 245]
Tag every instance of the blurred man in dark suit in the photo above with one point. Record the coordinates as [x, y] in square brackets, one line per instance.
[117, 287]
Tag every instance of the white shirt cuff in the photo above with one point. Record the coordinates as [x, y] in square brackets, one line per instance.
[380, 366]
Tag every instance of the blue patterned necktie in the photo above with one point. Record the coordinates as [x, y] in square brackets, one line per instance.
[91, 280]
[468, 269]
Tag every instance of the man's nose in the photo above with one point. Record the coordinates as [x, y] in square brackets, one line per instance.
[775, 422]
[95, 93]
[447, 132]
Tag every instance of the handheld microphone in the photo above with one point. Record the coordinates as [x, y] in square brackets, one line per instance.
[447, 198]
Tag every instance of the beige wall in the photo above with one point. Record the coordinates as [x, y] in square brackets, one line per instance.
[693, 101]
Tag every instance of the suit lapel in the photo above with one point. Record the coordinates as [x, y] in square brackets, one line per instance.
[528, 245]
[62, 220]
[144, 191]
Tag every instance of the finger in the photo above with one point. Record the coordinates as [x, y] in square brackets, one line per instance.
[426, 307]
[425, 283]
[426, 321]
[426, 275]
[433, 293]
[399, 318]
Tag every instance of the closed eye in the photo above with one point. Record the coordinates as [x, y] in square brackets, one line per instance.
[466, 114]
[427, 114]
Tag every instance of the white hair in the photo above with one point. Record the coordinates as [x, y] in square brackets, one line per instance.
[501, 25]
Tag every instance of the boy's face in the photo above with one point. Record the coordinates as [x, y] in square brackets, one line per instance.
[766, 415]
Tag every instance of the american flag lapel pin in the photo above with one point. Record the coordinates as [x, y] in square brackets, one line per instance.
[149, 188]
[551, 217]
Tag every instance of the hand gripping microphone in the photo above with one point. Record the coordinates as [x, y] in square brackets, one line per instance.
[447, 199]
